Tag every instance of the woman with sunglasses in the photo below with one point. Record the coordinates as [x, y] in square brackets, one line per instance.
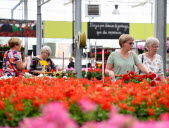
[38, 62]
[151, 59]
[124, 60]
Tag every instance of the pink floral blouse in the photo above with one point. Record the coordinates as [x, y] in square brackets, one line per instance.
[9, 62]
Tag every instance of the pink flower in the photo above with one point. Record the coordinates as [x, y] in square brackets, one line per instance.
[141, 47]
[86, 105]
[69, 69]
[54, 115]
[167, 45]
[164, 116]
[120, 120]
[167, 70]
[38, 122]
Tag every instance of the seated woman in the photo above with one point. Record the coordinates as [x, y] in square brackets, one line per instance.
[36, 66]
[71, 63]
[12, 61]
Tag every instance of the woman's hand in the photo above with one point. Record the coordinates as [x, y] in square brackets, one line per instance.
[39, 72]
[60, 69]
[109, 71]
[111, 74]
[25, 62]
[26, 59]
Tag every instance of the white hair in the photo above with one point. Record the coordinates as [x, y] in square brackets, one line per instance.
[46, 48]
[151, 40]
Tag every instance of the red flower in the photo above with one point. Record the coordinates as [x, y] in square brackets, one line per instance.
[164, 101]
[150, 111]
[19, 106]
[151, 75]
[2, 105]
[123, 106]
[9, 116]
[52, 70]
[153, 83]
[25, 71]
[126, 77]
[158, 79]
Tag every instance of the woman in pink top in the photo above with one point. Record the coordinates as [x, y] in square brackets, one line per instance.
[12, 61]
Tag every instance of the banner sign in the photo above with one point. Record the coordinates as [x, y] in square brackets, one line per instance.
[17, 28]
[107, 30]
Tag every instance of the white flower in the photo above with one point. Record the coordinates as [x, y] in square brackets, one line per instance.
[27, 75]
[65, 77]
[5, 77]
[40, 75]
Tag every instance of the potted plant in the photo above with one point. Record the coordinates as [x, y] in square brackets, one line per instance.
[4, 47]
[22, 49]
[99, 55]
[140, 49]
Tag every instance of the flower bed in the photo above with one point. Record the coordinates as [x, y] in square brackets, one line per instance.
[54, 115]
[6, 47]
[23, 97]
[99, 55]
[18, 34]
[92, 73]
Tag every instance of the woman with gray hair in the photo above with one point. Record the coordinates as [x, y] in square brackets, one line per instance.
[151, 59]
[42, 63]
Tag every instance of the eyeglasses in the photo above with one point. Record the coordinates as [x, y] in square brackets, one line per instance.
[131, 43]
[47, 53]
[155, 46]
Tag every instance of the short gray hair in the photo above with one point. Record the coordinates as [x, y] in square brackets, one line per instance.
[46, 48]
[151, 40]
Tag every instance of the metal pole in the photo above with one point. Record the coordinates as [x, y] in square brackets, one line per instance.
[39, 25]
[95, 57]
[78, 63]
[38, 28]
[103, 65]
[73, 28]
[43, 2]
[160, 28]
[86, 58]
[26, 18]
[12, 10]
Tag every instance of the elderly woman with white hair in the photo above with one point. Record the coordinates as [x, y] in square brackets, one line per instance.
[151, 59]
[37, 66]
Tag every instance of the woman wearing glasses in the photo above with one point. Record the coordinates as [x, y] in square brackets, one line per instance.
[37, 64]
[151, 59]
[124, 60]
